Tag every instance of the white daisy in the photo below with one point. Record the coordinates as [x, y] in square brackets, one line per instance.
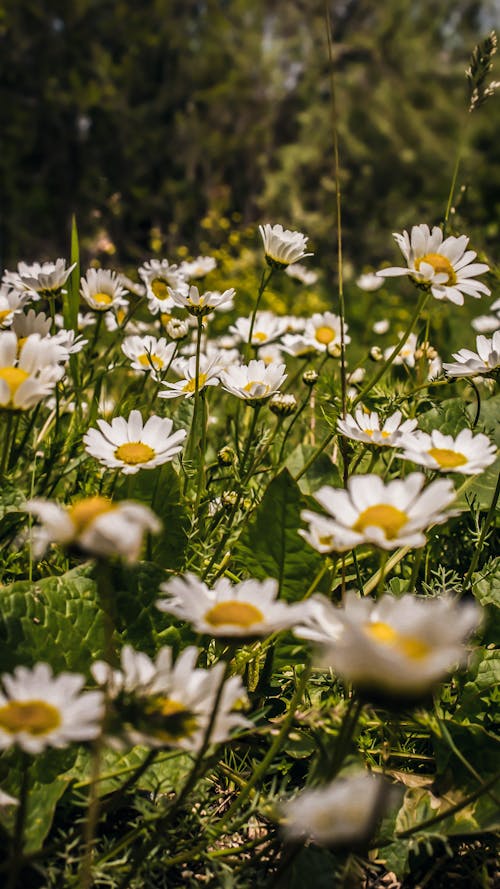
[102, 290]
[159, 276]
[468, 363]
[167, 704]
[488, 323]
[39, 710]
[301, 273]
[201, 304]
[366, 427]
[446, 267]
[253, 382]
[400, 645]
[323, 330]
[94, 524]
[130, 445]
[344, 811]
[467, 454]
[44, 279]
[369, 282]
[267, 327]
[149, 354]
[406, 355]
[30, 373]
[11, 303]
[248, 608]
[209, 375]
[198, 267]
[388, 515]
[381, 327]
[298, 345]
[281, 246]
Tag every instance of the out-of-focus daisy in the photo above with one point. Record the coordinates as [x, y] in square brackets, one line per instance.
[177, 328]
[167, 704]
[445, 266]
[253, 382]
[102, 290]
[159, 276]
[130, 445]
[407, 353]
[389, 515]
[298, 345]
[45, 279]
[270, 353]
[209, 375]
[369, 282]
[267, 327]
[132, 286]
[401, 646]
[198, 267]
[39, 710]
[149, 354]
[323, 330]
[301, 273]
[467, 454]
[343, 812]
[365, 426]
[30, 373]
[201, 304]
[484, 361]
[27, 323]
[249, 608]
[94, 524]
[488, 323]
[281, 246]
[381, 327]
[11, 302]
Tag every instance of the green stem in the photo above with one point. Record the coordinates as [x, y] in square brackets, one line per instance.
[484, 530]
[344, 738]
[294, 419]
[16, 860]
[389, 565]
[264, 281]
[6, 442]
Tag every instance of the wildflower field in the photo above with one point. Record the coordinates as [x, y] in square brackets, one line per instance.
[249, 572]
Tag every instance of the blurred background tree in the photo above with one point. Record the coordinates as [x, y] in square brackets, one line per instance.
[150, 121]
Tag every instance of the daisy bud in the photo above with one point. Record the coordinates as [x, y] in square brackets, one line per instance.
[376, 353]
[283, 405]
[310, 377]
[226, 456]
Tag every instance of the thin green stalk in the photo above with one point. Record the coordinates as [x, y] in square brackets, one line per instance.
[374, 581]
[294, 419]
[264, 281]
[16, 859]
[484, 530]
[6, 442]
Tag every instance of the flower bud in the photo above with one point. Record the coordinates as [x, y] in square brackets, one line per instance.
[283, 405]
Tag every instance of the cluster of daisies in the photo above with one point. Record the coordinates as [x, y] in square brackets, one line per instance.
[399, 648]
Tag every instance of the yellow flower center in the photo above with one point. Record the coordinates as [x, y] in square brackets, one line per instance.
[102, 299]
[13, 376]
[324, 335]
[165, 318]
[120, 315]
[447, 458]
[242, 614]
[249, 387]
[326, 540]
[440, 264]
[4, 314]
[191, 384]
[159, 288]
[383, 515]
[149, 359]
[85, 511]
[413, 648]
[33, 717]
[170, 719]
[134, 452]
[260, 336]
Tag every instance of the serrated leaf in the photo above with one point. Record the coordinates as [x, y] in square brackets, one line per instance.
[270, 545]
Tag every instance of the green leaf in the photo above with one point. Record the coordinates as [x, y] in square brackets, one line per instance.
[270, 545]
[57, 620]
[321, 472]
[71, 299]
[486, 590]
[165, 774]
[141, 624]
[479, 698]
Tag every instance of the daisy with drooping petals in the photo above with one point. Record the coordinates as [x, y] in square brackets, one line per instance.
[198, 267]
[30, 373]
[130, 445]
[39, 710]
[201, 304]
[402, 646]
[267, 327]
[446, 267]
[369, 281]
[254, 382]
[94, 524]
[166, 704]
[281, 246]
[301, 273]
[249, 608]
[467, 454]
[344, 811]
[210, 370]
[389, 515]
[323, 330]
[149, 354]
[102, 290]
[469, 364]
[365, 426]
[45, 279]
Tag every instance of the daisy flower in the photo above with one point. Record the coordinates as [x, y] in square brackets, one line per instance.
[365, 426]
[344, 811]
[102, 290]
[130, 445]
[388, 515]
[446, 267]
[381, 327]
[369, 281]
[488, 323]
[253, 382]
[158, 276]
[94, 524]
[281, 246]
[249, 608]
[11, 302]
[323, 330]
[45, 279]
[39, 710]
[165, 704]
[469, 364]
[201, 304]
[30, 373]
[301, 273]
[402, 646]
[149, 354]
[209, 375]
[267, 327]
[406, 355]
[467, 454]
[198, 267]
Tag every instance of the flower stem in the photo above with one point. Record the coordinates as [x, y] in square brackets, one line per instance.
[264, 281]
[16, 860]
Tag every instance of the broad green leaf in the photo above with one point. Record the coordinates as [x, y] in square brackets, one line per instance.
[165, 774]
[486, 590]
[480, 695]
[271, 546]
[419, 805]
